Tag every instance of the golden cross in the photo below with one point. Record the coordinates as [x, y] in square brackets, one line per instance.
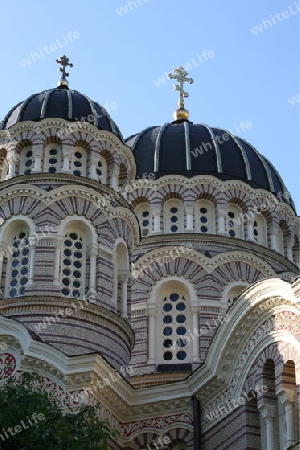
[64, 61]
[180, 75]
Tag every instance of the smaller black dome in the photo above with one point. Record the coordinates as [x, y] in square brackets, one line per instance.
[61, 104]
[188, 149]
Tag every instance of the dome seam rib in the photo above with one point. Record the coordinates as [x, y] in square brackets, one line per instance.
[157, 147]
[23, 106]
[245, 158]
[187, 145]
[70, 104]
[264, 163]
[217, 149]
[44, 104]
[96, 122]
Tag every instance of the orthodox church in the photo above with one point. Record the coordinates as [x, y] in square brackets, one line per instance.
[157, 275]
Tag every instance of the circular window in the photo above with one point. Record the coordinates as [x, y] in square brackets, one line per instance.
[168, 343]
[181, 318]
[168, 331]
[167, 307]
[181, 355]
[174, 297]
[203, 210]
[168, 319]
[174, 210]
[168, 356]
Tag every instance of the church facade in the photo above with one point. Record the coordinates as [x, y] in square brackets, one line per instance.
[156, 275]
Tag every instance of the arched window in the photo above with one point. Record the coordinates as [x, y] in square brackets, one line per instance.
[3, 164]
[101, 170]
[78, 162]
[235, 221]
[260, 230]
[144, 214]
[53, 158]
[173, 216]
[231, 292]
[18, 263]
[73, 265]
[27, 161]
[174, 325]
[204, 217]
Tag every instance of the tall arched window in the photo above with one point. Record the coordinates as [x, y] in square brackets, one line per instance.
[73, 265]
[144, 214]
[235, 221]
[53, 158]
[260, 230]
[27, 161]
[204, 216]
[173, 216]
[18, 263]
[78, 161]
[76, 258]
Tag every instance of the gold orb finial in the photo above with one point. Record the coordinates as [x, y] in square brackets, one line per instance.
[181, 114]
[180, 74]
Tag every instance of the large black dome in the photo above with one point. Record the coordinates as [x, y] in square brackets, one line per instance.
[63, 104]
[188, 149]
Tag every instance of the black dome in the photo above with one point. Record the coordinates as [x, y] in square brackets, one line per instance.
[188, 149]
[61, 104]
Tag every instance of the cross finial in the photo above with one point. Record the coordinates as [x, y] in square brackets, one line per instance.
[64, 61]
[180, 75]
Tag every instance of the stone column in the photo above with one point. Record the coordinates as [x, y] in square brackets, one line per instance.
[93, 167]
[273, 232]
[124, 281]
[289, 248]
[189, 211]
[156, 212]
[12, 158]
[195, 341]
[151, 334]
[32, 246]
[114, 178]
[2, 254]
[268, 414]
[58, 249]
[93, 269]
[287, 400]
[250, 230]
[37, 152]
[67, 152]
[221, 220]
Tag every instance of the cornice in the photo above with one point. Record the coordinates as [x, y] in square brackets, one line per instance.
[213, 241]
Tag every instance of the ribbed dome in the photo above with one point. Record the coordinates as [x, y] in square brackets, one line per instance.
[188, 149]
[61, 104]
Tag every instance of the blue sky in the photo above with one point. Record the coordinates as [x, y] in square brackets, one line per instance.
[119, 55]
